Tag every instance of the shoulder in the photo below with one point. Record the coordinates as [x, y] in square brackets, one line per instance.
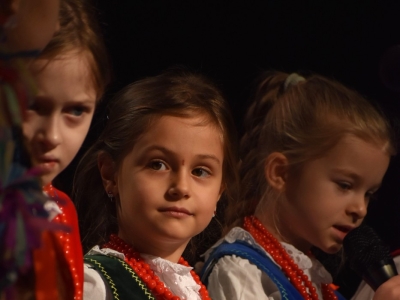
[95, 270]
[112, 273]
[234, 235]
[94, 286]
[234, 277]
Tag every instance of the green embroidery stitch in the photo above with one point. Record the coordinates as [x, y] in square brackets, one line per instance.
[137, 279]
[112, 285]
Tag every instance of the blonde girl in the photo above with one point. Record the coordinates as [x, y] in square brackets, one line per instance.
[313, 154]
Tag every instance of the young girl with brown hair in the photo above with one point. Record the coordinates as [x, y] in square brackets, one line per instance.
[70, 75]
[25, 29]
[150, 183]
[313, 154]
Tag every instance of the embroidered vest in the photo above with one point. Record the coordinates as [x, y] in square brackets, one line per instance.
[122, 281]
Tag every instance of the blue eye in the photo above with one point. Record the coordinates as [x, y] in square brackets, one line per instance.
[158, 165]
[76, 110]
[201, 172]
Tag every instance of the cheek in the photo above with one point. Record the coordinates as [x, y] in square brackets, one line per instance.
[71, 144]
[210, 199]
[29, 125]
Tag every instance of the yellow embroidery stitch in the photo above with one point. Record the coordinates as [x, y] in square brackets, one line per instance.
[112, 285]
[137, 279]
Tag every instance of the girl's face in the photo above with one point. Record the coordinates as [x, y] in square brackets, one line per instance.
[329, 196]
[169, 184]
[59, 119]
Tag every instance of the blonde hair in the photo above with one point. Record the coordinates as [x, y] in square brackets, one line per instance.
[301, 118]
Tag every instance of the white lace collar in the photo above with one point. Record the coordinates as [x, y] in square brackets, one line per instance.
[308, 264]
[175, 276]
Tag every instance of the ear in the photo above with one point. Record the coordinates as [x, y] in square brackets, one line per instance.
[275, 171]
[108, 171]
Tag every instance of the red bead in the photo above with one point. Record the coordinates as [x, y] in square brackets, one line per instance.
[295, 275]
[146, 278]
[159, 289]
[143, 270]
[168, 295]
[151, 284]
[140, 273]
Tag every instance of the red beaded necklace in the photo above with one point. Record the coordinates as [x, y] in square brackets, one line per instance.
[143, 270]
[292, 271]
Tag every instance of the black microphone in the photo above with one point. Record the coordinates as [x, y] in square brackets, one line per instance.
[368, 256]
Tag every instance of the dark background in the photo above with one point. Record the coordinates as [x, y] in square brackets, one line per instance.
[233, 41]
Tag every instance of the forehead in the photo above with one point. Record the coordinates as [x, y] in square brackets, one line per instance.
[64, 77]
[174, 131]
[196, 122]
[353, 155]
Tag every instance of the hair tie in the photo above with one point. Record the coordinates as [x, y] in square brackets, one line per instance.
[293, 79]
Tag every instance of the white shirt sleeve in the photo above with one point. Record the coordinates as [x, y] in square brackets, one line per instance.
[94, 287]
[235, 278]
[364, 292]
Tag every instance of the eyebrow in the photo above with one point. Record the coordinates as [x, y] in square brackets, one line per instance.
[169, 152]
[83, 101]
[80, 101]
[347, 173]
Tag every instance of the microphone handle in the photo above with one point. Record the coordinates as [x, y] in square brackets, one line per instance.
[379, 273]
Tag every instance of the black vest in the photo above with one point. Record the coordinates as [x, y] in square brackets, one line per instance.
[122, 281]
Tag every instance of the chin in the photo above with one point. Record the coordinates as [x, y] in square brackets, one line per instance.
[335, 248]
[46, 179]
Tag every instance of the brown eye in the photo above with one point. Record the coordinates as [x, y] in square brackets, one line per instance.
[344, 185]
[201, 172]
[158, 165]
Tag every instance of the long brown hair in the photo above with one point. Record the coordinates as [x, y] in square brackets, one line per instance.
[131, 112]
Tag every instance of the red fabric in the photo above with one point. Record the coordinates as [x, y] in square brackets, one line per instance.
[395, 253]
[61, 273]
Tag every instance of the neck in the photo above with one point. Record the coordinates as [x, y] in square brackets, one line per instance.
[281, 233]
[165, 249]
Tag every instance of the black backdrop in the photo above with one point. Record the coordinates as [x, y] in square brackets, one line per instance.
[233, 41]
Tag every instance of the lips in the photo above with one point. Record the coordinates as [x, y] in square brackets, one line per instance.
[46, 164]
[344, 228]
[176, 211]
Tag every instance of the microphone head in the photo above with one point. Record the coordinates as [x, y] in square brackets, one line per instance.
[368, 256]
[364, 248]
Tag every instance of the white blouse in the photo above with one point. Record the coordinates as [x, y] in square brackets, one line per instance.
[175, 276]
[234, 278]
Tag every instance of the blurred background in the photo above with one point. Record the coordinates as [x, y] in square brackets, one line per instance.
[355, 42]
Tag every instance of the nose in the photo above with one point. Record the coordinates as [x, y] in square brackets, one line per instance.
[179, 187]
[49, 133]
[358, 207]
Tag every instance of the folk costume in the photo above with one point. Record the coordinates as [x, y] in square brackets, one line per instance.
[40, 252]
[117, 272]
[239, 267]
